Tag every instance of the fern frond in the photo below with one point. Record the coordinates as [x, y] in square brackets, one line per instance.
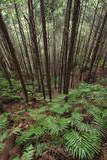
[99, 122]
[3, 136]
[16, 158]
[40, 148]
[1, 146]
[59, 108]
[82, 145]
[50, 124]
[63, 123]
[29, 134]
[16, 130]
[76, 118]
[28, 153]
[59, 99]
[4, 120]
[39, 110]
[37, 114]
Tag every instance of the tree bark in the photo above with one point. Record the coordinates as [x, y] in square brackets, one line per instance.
[47, 66]
[35, 48]
[64, 45]
[13, 54]
[72, 44]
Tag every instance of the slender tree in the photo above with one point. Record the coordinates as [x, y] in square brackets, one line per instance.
[6, 36]
[33, 35]
[65, 44]
[72, 44]
[42, 7]
[96, 48]
[23, 38]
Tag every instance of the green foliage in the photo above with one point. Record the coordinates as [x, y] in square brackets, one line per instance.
[50, 124]
[64, 124]
[1, 146]
[12, 93]
[84, 141]
[3, 136]
[28, 153]
[16, 158]
[100, 119]
[16, 131]
[33, 131]
[37, 114]
[4, 121]
[3, 129]
[55, 126]
[40, 148]
[59, 108]
[103, 82]
[82, 145]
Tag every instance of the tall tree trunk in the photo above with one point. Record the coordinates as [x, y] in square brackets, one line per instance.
[54, 58]
[72, 44]
[42, 7]
[13, 54]
[88, 49]
[65, 43]
[35, 48]
[96, 48]
[4, 68]
[54, 55]
[23, 40]
[77, 52]
[21, 49]
[104, 61]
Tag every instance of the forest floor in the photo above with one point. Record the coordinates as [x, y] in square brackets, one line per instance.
[71, 129]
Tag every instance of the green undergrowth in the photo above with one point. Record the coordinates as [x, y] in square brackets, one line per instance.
[103, 82]
[4, 121]
[12, 92]
[78, 125]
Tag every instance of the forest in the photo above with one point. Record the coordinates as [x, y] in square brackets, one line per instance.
[53, 79]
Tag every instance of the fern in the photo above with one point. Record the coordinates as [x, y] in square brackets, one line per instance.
[59, 108]
[63, 123]
[82, 145]
[1, 146]
[55, 125]
[37, 114]
[59, 99]
[76, 122]
[76, 118]
[29, 134]
[100, 121]
[40, 148]
[28, 153]
[81, 139]
[50, 124]
[16, 158]
[16, 131]
[104, 115]
[3, 136]
[103, 81]
[4, 120]
[37, 111]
